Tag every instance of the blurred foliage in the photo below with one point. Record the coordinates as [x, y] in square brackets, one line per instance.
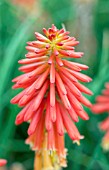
[60, 12]
[89, 22]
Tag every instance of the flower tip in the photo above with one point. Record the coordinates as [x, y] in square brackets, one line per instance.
[14, 86]
[93, 109]
[82, 53]
[47, 46]
[36, 51]
[49, 61]
[29, 43]
[56, 53]
[27, 141]
[12, 101]
[20, 68]
[20, 61]
[89, 79]
[60, 44]
[77, 142]
[77, 42]
[91, 93]
[86, 118]
[36, 33]
[76, 119]
[26, 47]
[87, 67]
[90, 105]
[48, 127]
[17, 122]
[45, 32]
[81, 137]
[54, 27]
[30, 132]
[14, 80]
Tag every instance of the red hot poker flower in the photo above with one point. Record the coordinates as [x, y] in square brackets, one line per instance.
[100, 107]
[52, 97]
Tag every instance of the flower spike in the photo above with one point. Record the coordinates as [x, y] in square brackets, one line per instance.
[101, 106]
[52, 95]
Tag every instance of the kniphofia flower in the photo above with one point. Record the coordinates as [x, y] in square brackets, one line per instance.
[102, 106]
[3, 162]
[52, 93]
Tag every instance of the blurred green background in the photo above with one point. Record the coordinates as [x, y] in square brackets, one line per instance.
[88, 21]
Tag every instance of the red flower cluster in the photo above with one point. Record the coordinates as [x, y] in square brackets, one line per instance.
[52, 97]
[102, 106]
[2, 162]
